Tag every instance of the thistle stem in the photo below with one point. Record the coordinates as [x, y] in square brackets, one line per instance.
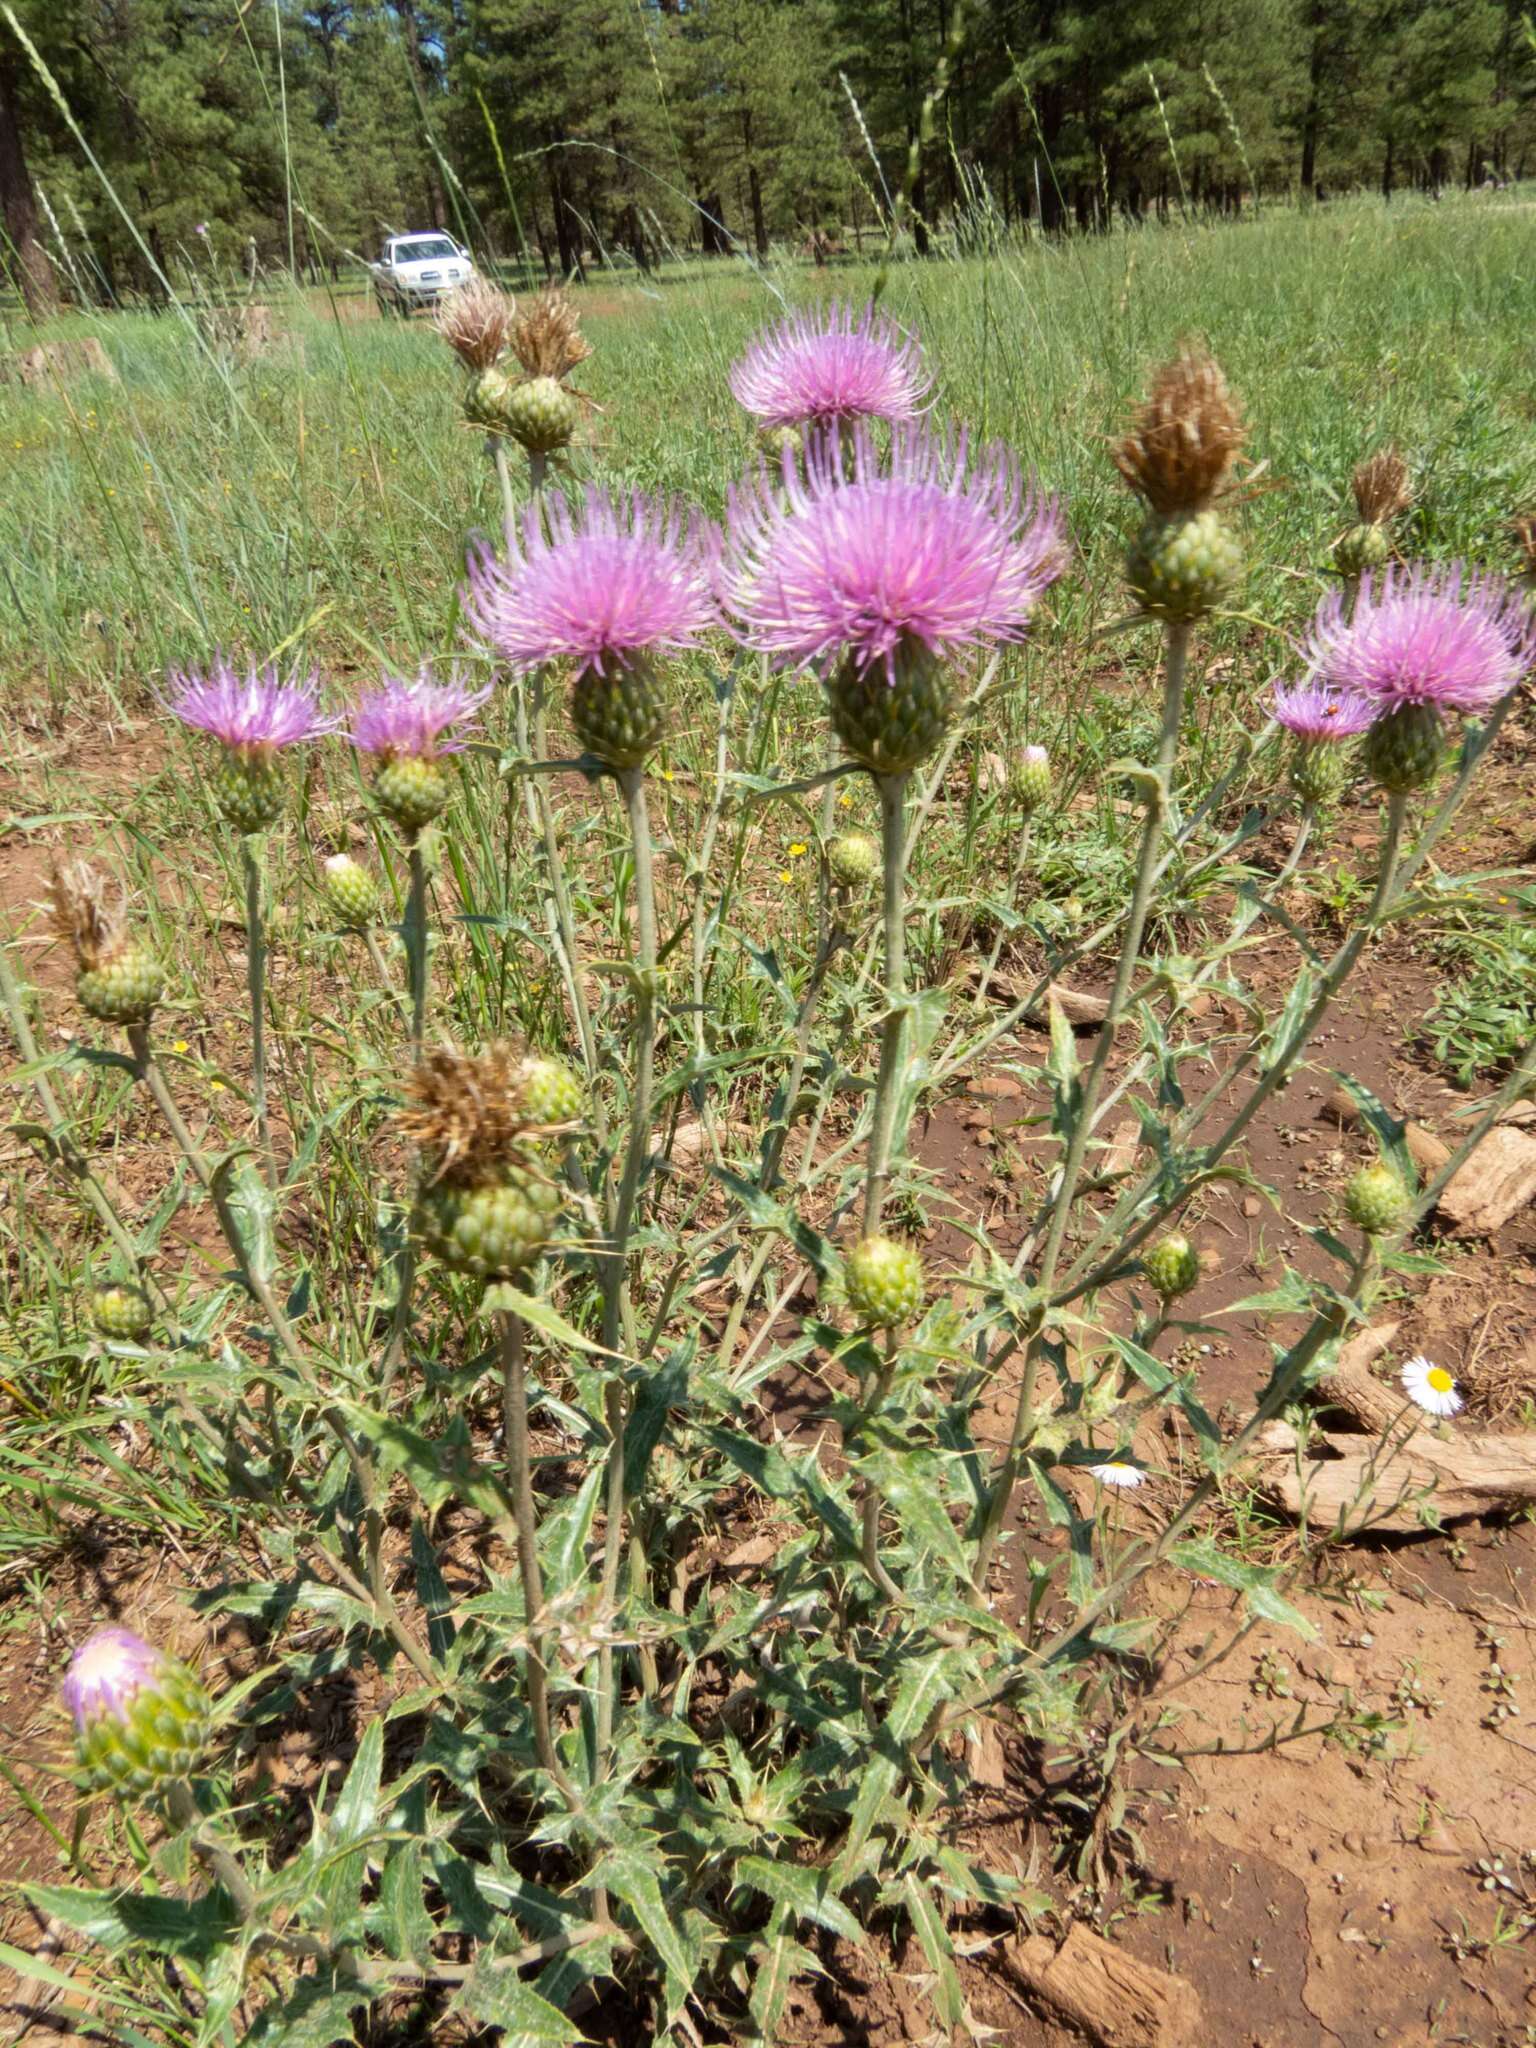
[415, 935]
[1157, 800]
[616, 1276]
[514, 1408]
[255, 982]
[883, 1134]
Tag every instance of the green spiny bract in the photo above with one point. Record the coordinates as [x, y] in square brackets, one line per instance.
[1172, 1266]
[1029, 779]
[540, 415]
[1319, 770]
[248, 788]
[157, 1739]
[351, 891]
[411, 789]
[853, 859]
[485, 399]
[1376, 1200]
[123, 988]
[1403, 750]
[122, 1312]
[891, 717]
[619, 712]
[1183, 566]
[1363, 546]
[775, 442]
[551, 1092]
[490, 1228]
[885, 1282]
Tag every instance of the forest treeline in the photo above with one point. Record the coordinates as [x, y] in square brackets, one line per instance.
[244, 136]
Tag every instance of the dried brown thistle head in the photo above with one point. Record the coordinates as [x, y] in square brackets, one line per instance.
[92, 927]
[467, 1111]
[548, 341]
[1381, 487]
[1185, 438]
[476, 322]
[1523, 531]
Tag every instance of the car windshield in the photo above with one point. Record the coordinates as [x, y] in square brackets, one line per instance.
[431, 249]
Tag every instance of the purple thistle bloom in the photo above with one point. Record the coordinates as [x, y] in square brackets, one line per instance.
[251, 713]
[1316, 711]
[105, 1673]
[940, 549]
[613, 579]
[411, 715]
[1426, 635]
[829, 366]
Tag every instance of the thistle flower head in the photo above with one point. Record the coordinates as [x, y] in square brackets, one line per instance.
[470, 1112]
[940, 549]
[476, 322]
[251, 713]
[1430, 634]
[412, 715]
[105, 1674]
[548, 340]
[614, 578]
[91, 926]
[1185, 438]
[1381, 487]
[831, 366]
[1314, 710]
[1522, 530]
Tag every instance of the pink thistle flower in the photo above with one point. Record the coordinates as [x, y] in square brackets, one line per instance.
[1431, 635]
[105, 1673]
[615, 578]
[1316, 711]
[940, 549]
[252, 713]
[826, 367]
[410, 716]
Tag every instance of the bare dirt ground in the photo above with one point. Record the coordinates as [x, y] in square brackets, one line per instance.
[1357, 1886]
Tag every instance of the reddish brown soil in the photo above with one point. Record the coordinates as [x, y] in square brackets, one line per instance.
[1313, 1892]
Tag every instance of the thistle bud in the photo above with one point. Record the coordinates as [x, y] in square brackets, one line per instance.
[142, 1718]
[1361, 547]
[1404, 748]
[777, 442]
[1318, 771]
[1178, 457]
[619, 712]
[551, 1092]
[540, 415]
[351, 891]
[485, 399]
[885, 1282]
[411, 790]
[248, 788]
[118, 979]
[121, 1312]
[1029, 780]
[853, 859]
[1376, 1200]
[486, 1204]
[1172, 1265]
[890, 715]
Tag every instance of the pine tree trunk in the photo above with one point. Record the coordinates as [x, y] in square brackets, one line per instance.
[18, 203]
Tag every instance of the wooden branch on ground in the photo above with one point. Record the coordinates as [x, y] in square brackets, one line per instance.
[1106, 1994]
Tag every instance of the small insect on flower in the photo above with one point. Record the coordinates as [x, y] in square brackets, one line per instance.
[831, 367]
[1431, 1387]
[252, 716]
[1313, 710]
[407, 723]
[608, 583]
[1118, 1473]
[878, 574]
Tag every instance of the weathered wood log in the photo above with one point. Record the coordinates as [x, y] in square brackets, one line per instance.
[1498, 1180]
[1352, 1387]
[1390, 1485]
[1106, 1994]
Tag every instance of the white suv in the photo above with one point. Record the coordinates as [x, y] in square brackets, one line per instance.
[418, 270]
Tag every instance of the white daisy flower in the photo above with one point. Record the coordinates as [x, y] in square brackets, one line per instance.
[1119, 1473]
[1431, 1387]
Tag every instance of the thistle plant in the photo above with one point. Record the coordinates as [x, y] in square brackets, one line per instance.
[1382, 492]
[629, 1755]
[255, 718]
[826, 371]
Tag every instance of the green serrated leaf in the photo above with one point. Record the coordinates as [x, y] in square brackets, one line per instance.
[497, 1997]
[933, 1937]
[502, 1298]
[924, 1684]
[806, 1891]
[631, 1875]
